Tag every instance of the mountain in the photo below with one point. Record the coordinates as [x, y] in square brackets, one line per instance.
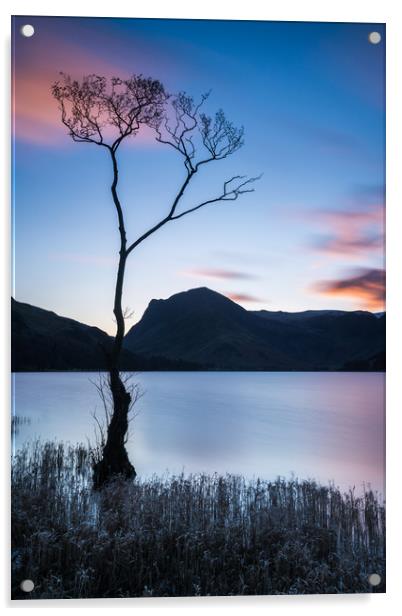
[205, 328]
[43, 340]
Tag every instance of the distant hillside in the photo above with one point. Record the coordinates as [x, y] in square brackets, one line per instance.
[42, 340]
[203, 327]
[203, 330]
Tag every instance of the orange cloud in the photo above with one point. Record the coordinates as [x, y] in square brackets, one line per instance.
[366, 288]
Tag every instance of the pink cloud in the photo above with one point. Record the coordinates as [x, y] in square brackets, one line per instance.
[352, 245]
[220, 274]
[342, 220]
[244, 297]
[351, 233]
[36, 117]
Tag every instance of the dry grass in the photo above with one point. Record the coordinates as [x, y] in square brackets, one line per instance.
[180, 536]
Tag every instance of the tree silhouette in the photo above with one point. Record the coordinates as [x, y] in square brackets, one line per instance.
[105, 112]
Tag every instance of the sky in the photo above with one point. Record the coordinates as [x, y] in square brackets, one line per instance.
[311, 98]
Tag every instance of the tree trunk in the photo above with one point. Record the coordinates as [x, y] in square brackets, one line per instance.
[114, 456]
[115, 460]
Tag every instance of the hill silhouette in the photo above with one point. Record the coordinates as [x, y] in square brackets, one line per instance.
[204, 327]
[43, 340]
[201, 329]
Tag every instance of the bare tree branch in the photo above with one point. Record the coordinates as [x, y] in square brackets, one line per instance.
[228, 194]
[218, 138]
[106, 112]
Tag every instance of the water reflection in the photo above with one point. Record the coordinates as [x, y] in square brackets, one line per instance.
[329, 426]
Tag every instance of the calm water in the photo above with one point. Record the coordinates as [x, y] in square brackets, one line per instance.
[327, 426]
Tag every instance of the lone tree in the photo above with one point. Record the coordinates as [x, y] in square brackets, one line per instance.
[105, 112]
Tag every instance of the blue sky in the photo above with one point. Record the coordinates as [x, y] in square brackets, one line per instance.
[311, 99]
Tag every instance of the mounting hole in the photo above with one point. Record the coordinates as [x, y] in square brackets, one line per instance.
[374, 38]
[374, 579]
[27, 585]
[27, 30]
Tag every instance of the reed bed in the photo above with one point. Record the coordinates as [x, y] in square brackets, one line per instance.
[185, 535]
[16, 422]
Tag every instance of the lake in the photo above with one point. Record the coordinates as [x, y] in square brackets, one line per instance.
[321, 425]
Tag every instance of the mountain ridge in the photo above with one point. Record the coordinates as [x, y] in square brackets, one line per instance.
[203, 326]
[42, 340]
[201, 329]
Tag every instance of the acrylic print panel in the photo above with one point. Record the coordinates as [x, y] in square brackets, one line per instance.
[198, 346]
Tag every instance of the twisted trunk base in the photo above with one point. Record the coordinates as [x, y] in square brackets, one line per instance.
[115, 460]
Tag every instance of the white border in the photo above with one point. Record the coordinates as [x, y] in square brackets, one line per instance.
[290, 10]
